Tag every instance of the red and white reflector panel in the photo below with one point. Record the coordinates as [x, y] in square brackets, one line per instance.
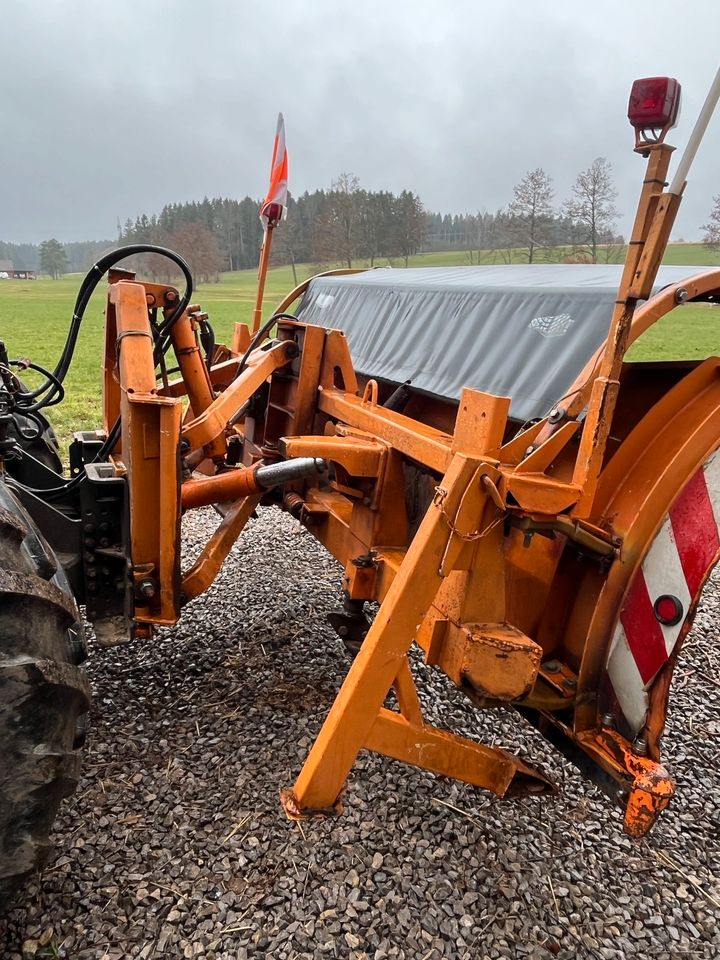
[654, 103]
[663, 590]
[274, 204]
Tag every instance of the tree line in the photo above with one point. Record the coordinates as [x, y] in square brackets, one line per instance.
[349, 225]
[344, 224]
[534, 227]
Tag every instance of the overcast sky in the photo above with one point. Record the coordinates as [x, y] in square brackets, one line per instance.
[111, 109]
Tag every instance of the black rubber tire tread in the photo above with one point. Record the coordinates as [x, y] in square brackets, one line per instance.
[43, 696]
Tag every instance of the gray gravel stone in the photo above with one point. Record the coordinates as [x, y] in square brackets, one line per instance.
[175, 844]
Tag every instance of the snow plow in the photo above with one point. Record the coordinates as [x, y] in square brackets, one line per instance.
[534, 512]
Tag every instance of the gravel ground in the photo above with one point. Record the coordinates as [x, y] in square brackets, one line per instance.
[175, 844]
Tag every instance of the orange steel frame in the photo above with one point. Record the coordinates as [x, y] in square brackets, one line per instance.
[512, 578]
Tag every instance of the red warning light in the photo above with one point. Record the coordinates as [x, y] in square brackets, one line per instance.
[654, 103]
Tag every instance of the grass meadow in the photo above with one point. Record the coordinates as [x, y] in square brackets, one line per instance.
[34, 318]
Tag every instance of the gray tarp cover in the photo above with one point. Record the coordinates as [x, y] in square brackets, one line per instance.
[521, 331]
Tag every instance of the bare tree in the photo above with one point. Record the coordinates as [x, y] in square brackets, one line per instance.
[591, 208]
[532, 211]
[196, 244]
[711, 236]
[336, 233]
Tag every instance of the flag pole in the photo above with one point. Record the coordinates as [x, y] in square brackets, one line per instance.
[271, 213]
[262, 276]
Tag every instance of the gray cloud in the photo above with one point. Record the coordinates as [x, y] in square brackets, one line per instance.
[116, 109]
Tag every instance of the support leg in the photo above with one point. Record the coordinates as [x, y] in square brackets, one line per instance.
[371, 675]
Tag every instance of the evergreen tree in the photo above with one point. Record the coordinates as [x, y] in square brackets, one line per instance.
[53, 259]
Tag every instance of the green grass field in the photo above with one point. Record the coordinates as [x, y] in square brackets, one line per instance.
[34, 317]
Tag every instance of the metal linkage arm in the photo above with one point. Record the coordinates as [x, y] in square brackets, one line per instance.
[213, 421]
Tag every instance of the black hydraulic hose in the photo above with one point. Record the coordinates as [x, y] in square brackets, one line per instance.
[207, 339]
[53, 387]
[259, 337]
[87, 288]
[23, 394]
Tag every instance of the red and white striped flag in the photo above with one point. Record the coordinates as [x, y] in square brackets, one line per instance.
[274, 204]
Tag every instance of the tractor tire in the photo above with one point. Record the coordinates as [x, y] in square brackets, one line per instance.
[44, 695]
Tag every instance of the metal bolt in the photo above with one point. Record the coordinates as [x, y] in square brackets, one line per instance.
[529, 450]
[556, 414]
[608, 720]
[681, 295]
[640, 746]
[146, 588]
[552, 666]
[570, 683]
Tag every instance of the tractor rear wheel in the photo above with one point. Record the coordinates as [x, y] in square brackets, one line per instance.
[43, 693]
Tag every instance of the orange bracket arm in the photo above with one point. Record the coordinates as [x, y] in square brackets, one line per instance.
[212, 422]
